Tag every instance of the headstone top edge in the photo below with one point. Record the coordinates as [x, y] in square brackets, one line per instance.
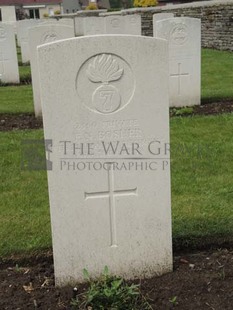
[181, 18]
[82, 38]
[104, 36]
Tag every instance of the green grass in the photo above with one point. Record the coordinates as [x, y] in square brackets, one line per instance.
[217, 75]
[16, 99]
[24, 208]
[24, 70]
[19, 54]
[202, 178]
[202, 191]
[217, 82]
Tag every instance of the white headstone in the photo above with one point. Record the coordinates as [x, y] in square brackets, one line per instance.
[108, 208]
[94, 25]
[110, 13]
[37, 36]
[184, 37]
[66, 21]
[22, 36]
[160, 16]
[115, 24]
[17, 33]
[78, 26]
[8, 13]
[23, 27]
[60, 21]
[9, 72]
[133, 24]
[14, 26]
[128, 24]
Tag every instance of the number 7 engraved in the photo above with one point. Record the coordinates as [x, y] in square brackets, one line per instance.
[107, 95]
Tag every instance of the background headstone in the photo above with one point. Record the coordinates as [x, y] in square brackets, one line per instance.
[22, 36]
[160, 16]
[184, 37]
[23, 32]
[94, 25]
[8, 14]
[109, 216]
[37, 36]
[78, 26]
[66, 21]
[59, 21]
[128, 24]
[115, 24]
[21, 25]
[133, 24]
[110, 24]
[9, 71]
[110, 13]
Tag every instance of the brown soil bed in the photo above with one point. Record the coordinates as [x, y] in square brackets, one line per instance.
[28, 121]
[202, 280]
[10, 122]
[223, 106]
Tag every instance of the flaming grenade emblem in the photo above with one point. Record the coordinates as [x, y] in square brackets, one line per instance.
[49, 37]
[105, 69]
[179, 34]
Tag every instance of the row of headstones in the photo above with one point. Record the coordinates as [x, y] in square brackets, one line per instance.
[23, 27]
[130, 24]
[183, 35]
[9, 71]
[101, 89]
[115, 24]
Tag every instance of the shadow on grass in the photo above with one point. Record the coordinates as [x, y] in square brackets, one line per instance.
[190, 244]
[209, 100]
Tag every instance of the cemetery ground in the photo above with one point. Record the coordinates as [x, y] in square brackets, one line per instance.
[202, 199]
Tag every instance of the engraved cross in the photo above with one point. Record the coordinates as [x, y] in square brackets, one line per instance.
[179, 76]
[111, 193]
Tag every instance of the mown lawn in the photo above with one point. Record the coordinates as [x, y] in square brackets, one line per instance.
[24, 72]
[24, 208]
[19, 56]
[202, 191]
[24, 69]
[202, 178]
[16, 99]
[217, 83]
[202, 170]
[217, 75]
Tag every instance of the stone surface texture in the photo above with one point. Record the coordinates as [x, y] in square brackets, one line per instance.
[9, 72]
[160, 16]
[94, 25]
[41, 35]
[111, 24]
[108, 215]
[184, 37]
